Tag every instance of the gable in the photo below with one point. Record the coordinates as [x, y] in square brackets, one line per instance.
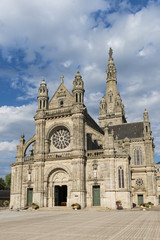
[62, 97]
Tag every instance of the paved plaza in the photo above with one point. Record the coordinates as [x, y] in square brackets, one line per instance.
[85, 225]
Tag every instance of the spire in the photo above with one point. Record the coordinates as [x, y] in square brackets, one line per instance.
[110, 53]
[111, 107]
[111, 71]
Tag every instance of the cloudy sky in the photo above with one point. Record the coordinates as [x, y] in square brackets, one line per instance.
[48, 38]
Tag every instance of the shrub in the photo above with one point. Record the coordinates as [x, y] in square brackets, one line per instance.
[34, 206]
[6, 203]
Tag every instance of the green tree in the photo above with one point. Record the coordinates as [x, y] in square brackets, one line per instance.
[2, 184]
[8, 181]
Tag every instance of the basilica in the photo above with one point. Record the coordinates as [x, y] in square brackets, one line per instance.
[72, 159]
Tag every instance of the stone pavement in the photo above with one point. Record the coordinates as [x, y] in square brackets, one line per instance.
[77, 225]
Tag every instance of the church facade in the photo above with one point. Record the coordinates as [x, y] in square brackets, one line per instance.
[71, 159]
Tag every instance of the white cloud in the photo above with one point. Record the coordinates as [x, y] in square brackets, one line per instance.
[8, 146]
[67, 63]
[15, 120]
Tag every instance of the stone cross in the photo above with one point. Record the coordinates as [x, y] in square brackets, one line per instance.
[62, 78]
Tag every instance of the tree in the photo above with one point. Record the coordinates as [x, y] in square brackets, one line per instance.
[2, 184]
[8, 181]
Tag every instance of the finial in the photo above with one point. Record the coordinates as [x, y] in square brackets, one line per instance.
[110, 53]
[22, 136]
[78, 71]
[62, 78]
[43, 80]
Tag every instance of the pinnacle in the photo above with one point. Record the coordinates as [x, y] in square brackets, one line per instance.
[22, 136]
[110, 53]
[78, 73]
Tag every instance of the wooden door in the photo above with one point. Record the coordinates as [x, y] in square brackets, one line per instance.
[29, 196]
[96, 195]
[140, 199]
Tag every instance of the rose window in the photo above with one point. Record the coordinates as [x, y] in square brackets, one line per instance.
[139, 182]
[61, 138]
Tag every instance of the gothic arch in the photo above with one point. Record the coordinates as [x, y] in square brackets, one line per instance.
[28, 143]
[54, 169]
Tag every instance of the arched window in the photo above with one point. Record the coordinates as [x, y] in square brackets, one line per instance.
[138, 160]
[44, 103]
[80, 97]
[76, 97]
[61, 103]
[110, 98]
[120, 177]
[40, 104]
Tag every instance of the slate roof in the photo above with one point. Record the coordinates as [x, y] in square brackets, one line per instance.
[129, 130]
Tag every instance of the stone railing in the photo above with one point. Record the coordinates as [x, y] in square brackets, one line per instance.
[95, 153]
[59, 155]
[28, 158]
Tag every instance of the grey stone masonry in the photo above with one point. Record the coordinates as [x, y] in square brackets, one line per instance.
[71, 159]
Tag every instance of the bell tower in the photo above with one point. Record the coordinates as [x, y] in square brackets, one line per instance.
[78, 89]
[111, 106]
[43, 96]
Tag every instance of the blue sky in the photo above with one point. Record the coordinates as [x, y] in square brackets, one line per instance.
[46, 38]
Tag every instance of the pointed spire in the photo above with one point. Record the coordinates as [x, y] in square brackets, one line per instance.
[111, 70]
[110, 53]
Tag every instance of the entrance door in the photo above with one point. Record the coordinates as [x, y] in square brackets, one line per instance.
[96, 195]
[140, 199]
[29, 196]
[60, 195]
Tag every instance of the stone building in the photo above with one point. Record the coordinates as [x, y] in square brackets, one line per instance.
[157, 166]
[71, 159]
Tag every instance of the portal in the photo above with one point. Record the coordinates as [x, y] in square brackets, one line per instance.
[60, 195]
[29, 196]
[140, 199]
[96, 195]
